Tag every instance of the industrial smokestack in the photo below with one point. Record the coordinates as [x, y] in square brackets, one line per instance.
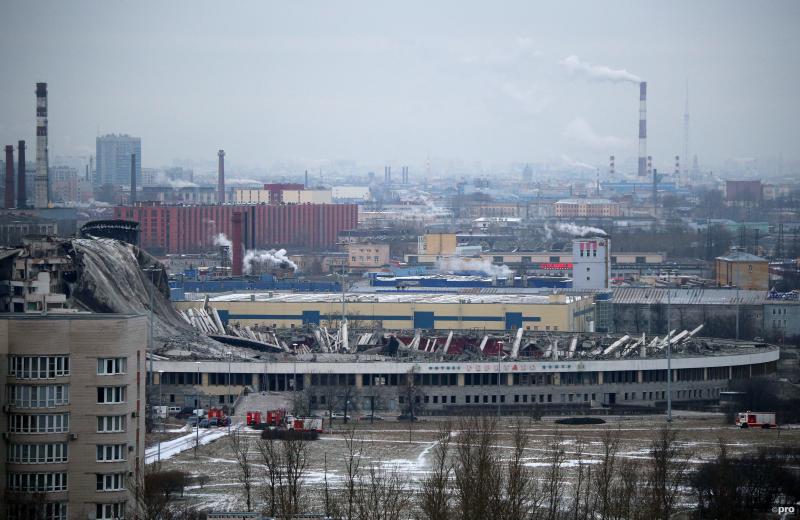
[236, 244]
[677, 166]
[41, 181]
[133, 179]
[305, 183]
[642, 129]
[22, 196]
[221, 177]
[9, 199]
[611, 168]
[649, 164]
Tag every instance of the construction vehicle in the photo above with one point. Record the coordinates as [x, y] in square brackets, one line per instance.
[750, 419]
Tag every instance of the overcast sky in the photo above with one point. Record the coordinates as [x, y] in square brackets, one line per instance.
[398, 81]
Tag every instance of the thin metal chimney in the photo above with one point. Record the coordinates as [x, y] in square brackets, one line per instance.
[22, 196]
[9, 198]
[611, 169]
[677, 166]
[305, 183]
[41, 181]
[642, 129]
[236, 244]
[133, 179]
[221, 177]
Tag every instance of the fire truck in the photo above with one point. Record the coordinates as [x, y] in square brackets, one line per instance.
[279, 418]
[756, 420]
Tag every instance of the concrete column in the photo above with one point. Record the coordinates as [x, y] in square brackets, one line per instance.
[204, 378]
[730, 372]
[306, 380]
[556, 378]
[600, 377]
[705, 374]
[640, 376]
[460, 380]
[359, 381]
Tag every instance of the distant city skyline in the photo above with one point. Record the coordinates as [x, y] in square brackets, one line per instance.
[377, 84]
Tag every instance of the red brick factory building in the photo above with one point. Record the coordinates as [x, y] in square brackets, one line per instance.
[191, 229]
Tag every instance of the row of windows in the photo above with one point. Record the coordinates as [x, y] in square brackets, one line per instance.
[110, 481]
[38, 396]
[217, 378]
[39, 423]
[110, 423]
[38, 453]
[111, 452]
[45, 511]
[114, 511]
[38, 367]
[37, 482]
[111, 394]
[111, 366]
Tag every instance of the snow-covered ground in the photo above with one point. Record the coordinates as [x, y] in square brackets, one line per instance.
[168, 449]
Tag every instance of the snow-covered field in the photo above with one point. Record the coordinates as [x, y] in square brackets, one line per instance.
[392, 446]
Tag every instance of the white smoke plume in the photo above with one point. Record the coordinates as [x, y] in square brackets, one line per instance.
[271, 258]
[579, 231]
[220, 239]
[576, 67]
[485, 265]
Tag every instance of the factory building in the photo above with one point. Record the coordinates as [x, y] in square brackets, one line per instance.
[191, 229]
[73, 422]
[742, 270]
[553, 312]
[572, 208]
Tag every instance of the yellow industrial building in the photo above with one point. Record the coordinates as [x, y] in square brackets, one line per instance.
[553, 312]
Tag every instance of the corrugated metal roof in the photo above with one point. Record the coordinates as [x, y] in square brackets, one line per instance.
[688, 296]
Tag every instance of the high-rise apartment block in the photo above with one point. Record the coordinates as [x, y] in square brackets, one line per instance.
[114, 159]
[72, 386]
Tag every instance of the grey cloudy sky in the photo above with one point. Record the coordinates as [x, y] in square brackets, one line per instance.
[376, 81]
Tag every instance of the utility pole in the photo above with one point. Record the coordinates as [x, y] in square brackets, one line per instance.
[228, 398]
[499, 350]
[669, 363]
[197, 425]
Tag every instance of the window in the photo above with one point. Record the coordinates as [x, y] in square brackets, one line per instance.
[39, 423]
[37, 453]
[46, 511]
[37, 482]
[110, 481]
[38, 396]
[110, 511]
[110, 423]
[111, 366]
[110, 452]
[110, 394]
[38, 367]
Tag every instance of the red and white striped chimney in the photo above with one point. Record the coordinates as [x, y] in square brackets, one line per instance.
[643, 170]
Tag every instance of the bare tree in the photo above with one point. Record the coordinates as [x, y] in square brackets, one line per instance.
[477, 479]
[604, 474]
[435, 492]
[581, 491]
[382, 494]
[555, 476]
[523, 495]
[240, 443]
[666, 472]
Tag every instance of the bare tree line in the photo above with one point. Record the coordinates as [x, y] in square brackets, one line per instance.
[474, 472]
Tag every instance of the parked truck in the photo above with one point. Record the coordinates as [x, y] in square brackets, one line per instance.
[756, 420]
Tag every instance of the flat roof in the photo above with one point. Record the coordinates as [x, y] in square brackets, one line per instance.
[275, 297]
